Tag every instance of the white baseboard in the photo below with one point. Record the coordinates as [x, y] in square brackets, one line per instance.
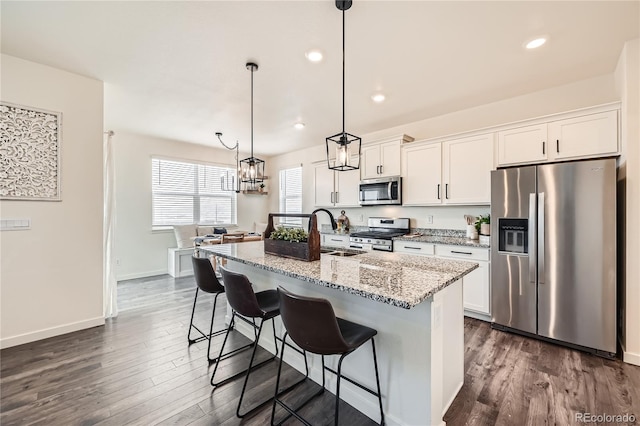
[137, 275]
[20, 339]
[631, 358]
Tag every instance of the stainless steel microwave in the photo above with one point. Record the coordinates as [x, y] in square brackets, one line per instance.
[381, 191]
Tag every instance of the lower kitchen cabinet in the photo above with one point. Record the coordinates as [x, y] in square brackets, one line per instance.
[476, 284]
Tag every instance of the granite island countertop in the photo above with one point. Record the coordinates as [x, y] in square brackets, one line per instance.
[401, 280]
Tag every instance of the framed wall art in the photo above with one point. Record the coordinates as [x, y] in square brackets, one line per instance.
[30, 148]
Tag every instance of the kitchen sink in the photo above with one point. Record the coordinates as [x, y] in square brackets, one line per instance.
[342, 253]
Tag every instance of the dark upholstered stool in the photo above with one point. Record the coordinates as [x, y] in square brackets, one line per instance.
[314, 327]
[206, 281]
[247, 305]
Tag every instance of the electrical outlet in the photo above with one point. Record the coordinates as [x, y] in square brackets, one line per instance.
[360, 218]
[430, 219]
[117, 262]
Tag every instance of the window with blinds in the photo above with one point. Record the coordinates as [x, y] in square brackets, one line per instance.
[291, 194]
[184, 193]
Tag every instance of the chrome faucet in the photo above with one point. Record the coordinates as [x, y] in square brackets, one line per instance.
[334, 225]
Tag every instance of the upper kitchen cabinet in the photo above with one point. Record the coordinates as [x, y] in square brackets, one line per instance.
[467, 165]
[422, 174]
[583, 134]
[382, 158]
[456, 171]
[522, 145]
[590, 135]
[335, 189]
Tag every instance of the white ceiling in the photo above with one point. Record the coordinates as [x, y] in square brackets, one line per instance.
[177, 69]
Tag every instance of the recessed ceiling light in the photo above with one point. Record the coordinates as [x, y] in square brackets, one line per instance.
[378, 98]
[314, 55]
[299, 125]
[537, 42]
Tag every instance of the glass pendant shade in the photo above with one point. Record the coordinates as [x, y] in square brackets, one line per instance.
[252, 170]
[343, 152]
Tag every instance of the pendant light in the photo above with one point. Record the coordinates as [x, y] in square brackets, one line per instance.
[252, 168]
[342, 146]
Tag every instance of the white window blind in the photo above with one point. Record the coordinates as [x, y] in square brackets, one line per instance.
[184, 193]
[291, 193]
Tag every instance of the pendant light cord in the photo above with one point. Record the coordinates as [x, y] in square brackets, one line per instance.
[343, 91]
[252, 69]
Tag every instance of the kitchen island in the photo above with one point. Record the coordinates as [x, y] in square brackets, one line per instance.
[414, 302]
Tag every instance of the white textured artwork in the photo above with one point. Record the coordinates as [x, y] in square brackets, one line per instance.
[29, 153]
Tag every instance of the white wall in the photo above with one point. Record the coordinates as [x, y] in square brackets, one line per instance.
[51, 275]
[140, 250]
[576, 95]
[628, 85]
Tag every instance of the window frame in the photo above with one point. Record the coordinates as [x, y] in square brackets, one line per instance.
[195, 194]
[282, 200]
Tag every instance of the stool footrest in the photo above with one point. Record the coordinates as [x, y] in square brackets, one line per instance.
[353, 382]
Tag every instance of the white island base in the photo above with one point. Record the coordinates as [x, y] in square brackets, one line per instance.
[420, 350]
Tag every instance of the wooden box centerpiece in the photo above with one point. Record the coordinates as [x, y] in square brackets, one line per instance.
[308, 250]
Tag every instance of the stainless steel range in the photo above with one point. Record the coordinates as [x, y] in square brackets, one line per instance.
[380, 234]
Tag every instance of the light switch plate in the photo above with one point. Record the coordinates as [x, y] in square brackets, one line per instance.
[15, 224]
[429, 219]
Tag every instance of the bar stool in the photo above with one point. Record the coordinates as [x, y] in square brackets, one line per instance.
[206, 281]
[313, 326]
[247, 305]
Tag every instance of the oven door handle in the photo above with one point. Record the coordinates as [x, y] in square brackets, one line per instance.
[358, 246]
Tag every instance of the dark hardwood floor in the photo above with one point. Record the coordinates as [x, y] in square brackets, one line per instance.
[139, 369]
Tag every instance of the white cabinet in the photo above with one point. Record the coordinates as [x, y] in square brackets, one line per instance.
[382, 158]
[583, 136]
[522, 145]
[456, 171]
[476, 284]
[335, 240]
[590, 135]
[422, 174]
[335, 189]
[467, 165]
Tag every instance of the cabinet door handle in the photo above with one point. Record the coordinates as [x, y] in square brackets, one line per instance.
[438, 191]
[335, 239]
[413, 248]
[381, 169]
[461, 252]
[446, 191]
[542, 147]
[331, 197]
[558, 145]
[337, 197]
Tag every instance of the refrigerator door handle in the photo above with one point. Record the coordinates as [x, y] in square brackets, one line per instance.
[541, 221]
[532, 238]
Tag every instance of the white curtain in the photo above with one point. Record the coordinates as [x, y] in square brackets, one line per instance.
[110, 286]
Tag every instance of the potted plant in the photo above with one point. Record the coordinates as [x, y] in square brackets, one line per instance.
[483, 225]
[261, 187]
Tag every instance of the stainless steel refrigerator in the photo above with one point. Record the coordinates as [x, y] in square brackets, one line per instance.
[553, 252]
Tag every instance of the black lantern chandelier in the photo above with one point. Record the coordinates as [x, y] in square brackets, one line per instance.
[344, 153]
[252, 168]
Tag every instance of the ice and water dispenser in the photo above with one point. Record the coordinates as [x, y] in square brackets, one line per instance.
[513, 235]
